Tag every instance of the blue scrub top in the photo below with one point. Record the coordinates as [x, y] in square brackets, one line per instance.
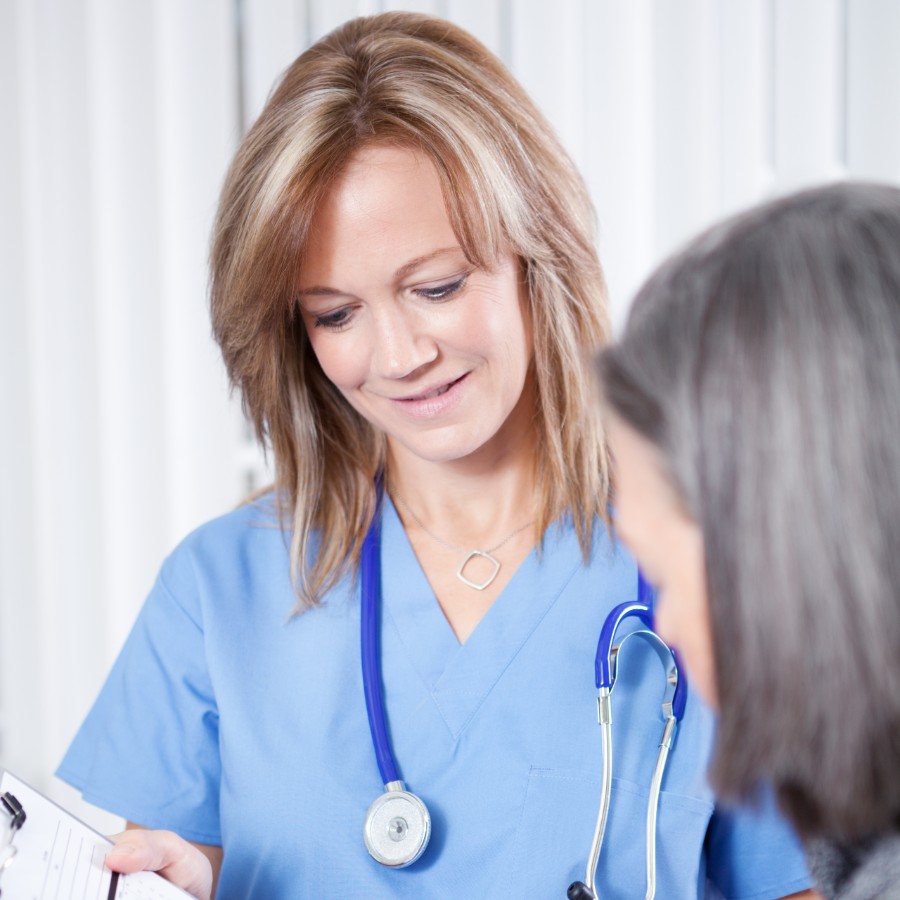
[229, 722]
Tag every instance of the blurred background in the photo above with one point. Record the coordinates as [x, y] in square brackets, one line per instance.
[118, 119]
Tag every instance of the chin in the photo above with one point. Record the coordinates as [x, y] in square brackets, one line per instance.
[440, 450]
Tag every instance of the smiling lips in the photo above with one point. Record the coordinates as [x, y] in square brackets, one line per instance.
[433, 402]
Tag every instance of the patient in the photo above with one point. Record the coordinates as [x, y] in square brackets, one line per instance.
[754, 407]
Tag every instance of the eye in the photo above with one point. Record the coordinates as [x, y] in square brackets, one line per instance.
[333, 321]
[443, 291]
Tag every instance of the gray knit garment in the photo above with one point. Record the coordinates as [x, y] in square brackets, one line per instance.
[865, 870]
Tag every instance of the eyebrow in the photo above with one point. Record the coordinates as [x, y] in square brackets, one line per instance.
[414, 264]
[399, 275]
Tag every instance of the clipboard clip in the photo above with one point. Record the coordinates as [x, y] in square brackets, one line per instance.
[14, 810]
[12, 817]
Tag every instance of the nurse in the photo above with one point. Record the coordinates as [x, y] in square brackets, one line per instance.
[754, 412]
[405, 289]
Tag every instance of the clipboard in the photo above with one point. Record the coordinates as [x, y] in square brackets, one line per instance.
[48, 853]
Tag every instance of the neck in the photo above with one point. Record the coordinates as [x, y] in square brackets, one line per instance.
[466, 506]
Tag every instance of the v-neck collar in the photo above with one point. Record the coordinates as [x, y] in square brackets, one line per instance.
[460, 676]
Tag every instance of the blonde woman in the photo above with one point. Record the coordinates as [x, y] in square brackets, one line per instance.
[405, 289]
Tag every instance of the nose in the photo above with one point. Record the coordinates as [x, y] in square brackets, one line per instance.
[403, 343]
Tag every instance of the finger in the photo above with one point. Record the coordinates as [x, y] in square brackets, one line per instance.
[131, 852]
[164, 852]
[135, 850]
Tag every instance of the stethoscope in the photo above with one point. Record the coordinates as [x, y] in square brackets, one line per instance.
[397, 826]
[673, 704]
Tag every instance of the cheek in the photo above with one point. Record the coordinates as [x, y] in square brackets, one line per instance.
[682, 610]
[343, 363]
[504, 333]
[514, 357]
[665, 620]
[498, 324]
[682, 620]
[698, 658]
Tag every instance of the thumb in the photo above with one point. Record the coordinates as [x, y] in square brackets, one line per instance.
[166, 853]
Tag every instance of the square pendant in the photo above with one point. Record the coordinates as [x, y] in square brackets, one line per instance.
[479, 585]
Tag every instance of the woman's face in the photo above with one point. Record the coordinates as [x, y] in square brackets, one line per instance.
[430, 349]
[668, 546]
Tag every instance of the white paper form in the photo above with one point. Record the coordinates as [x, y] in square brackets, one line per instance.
[59, 857]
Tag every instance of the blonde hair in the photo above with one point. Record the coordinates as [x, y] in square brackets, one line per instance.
[420, 82]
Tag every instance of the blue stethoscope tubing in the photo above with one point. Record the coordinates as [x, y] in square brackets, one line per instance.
[673, 706]
[397, 826]
[370, 585]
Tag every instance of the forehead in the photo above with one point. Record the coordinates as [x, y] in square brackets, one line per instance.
[377, 186]
[387, 160]
[385, 208]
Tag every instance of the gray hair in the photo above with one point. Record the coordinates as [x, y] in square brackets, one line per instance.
[764, 362]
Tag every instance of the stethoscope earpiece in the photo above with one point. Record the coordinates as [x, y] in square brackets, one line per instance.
[578, 890]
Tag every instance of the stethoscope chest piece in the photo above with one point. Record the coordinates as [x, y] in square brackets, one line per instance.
[397, 828]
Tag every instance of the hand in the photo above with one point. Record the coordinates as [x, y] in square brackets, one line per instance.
[164, 852]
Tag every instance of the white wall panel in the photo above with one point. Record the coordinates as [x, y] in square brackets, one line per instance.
[118, 433]
[271, 35]
[686, 138]
[323, 17]
[547, 55]
[124, 222]
[809, 91]
[873, 89]
[197, 90]
[744, 51]
[61, 352]
[20, 692]
[619, 138]
[431, 7]
[486, 19]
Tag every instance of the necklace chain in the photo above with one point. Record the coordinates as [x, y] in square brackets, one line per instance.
[449, 546]
[470, 554]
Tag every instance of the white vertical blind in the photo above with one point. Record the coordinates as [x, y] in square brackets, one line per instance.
[810, 69]
[119, 118]
[546, 54]
[872, 78]
[486, 19]
[745, 161]
[619, 135]
[270, 33]
[687, 127]
[52, 361]
[119, 435]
